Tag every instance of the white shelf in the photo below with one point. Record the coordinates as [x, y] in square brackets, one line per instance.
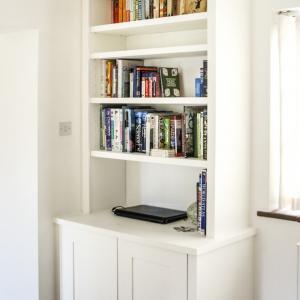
[167, 24]
[188, 50]
[192, 101]
[157, 235]
[139, 157]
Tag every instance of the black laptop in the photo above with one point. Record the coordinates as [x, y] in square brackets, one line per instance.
[150, 213]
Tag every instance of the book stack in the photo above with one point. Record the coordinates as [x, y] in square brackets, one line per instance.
[133, 10]
[202, 202]
[152, 132]
[130, 78]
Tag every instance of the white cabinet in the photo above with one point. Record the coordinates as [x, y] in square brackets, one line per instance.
[88, 266]
[147, 273]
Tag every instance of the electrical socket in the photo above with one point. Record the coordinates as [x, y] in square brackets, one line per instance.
[65, 128]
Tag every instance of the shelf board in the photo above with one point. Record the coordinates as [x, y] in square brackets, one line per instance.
[188, 50]
[192, 101]
[139, 157]
[167, 24]
[157, 235]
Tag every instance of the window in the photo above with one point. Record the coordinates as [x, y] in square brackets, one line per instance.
[285, 113]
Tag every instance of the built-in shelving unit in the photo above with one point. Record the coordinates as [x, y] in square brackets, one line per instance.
[180, 41]
[98, 244]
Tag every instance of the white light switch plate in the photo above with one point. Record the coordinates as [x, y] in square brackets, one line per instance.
[65, 128]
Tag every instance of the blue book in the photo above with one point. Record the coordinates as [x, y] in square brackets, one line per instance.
[203, 186]
[107, 113]
[198, 88]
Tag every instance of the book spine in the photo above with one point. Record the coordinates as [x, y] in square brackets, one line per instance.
[147, 9]
[114, 81]
[201, 135]
[189, 134]
[109, 66]
[198, 135]
[117, 129]
[128, 10]
[144, 122]
[158, 92]
[205, 128]
[147, 86]
[151, 8]
[172, 132]
[138, 83]
[156, 8]
[143, 9]
[124, 11]
[112, 130]
[107, 112]
[125, 83]
[176, 135]
[181, 9]
[156, 132]
[150, 86]
[132, 10]
[203, 185]
[161, 140]
[138, 132]
[103, 79]
[161, 8]
[120, 10]
[205, 84]
[166, 132]
[199, 200]
[139, 14]
[131, 84]
[143, 86]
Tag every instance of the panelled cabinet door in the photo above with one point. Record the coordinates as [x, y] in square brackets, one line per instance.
[89, 267]
[148, 273]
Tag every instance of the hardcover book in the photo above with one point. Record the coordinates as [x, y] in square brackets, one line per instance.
[169, 78]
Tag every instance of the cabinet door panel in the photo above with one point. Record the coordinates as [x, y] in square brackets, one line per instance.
[95, 267]
[88, 266]
[147, 273]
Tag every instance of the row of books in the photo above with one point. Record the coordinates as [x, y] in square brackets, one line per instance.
[130, 78]
[152, 132]
[202, 202]
[132, 10]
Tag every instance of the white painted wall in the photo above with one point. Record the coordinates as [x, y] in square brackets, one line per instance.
[59, 25]
[18, 166]
[276, 240]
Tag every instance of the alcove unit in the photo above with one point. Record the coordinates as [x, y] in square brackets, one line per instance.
[103, 256]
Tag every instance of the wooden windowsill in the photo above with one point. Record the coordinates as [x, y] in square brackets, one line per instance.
[279, 214]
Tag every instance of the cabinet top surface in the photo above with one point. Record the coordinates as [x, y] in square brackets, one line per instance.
[163, 236]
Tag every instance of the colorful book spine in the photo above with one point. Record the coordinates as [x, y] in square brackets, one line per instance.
[108, 135]
[199, 200]
[120, 17]
[205, 133]
[138, 132]
[203, 216]
[144, 123]
[176, 133]
[166, 133]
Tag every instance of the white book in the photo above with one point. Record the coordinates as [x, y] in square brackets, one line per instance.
[103, 79]
[155, 9]
[131, 84]
[117, 130]
[156, 132]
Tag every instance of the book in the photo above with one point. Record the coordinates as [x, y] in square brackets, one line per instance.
[203, 186]
[172, 7]
[103, 79]
[176, 134]
[162, 153]
[195, 6]
[169, 78]
[181, 7]
[156, 8]
[107, 129]
[205, 128]
[109, 77]
[162, 8]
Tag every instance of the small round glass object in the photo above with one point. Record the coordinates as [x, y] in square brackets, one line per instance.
[192, 213]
